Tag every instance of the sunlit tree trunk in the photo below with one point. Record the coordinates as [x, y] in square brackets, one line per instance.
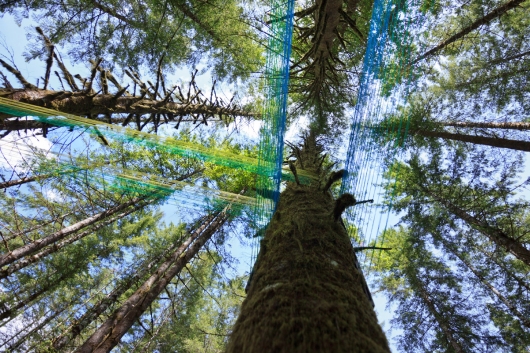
[109, 334]
[28, 260]
[28, 249]
[519, 125]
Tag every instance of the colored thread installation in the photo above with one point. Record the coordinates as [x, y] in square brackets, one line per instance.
[109, 175]
[387, 79]
[268, 166]
[270, 155]
[177, 147]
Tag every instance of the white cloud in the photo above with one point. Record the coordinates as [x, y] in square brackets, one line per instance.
[18, 149]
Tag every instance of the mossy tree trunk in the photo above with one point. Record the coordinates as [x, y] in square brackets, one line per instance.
[307, 293]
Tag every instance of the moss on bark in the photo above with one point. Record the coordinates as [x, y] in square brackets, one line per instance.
[306, 294]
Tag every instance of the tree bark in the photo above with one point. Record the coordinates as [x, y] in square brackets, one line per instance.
[506, 270]
[22, 303]
[20, 181]
[44, 322]
[519, 125]
[109, 334]
[306, 292]
[28, 249]
[481, 21]
[80, 103]
[518, 145]
[94, 312]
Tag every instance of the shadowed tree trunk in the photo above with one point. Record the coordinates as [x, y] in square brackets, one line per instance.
[495, 13]
[518, 145]
[306, 292]
[82, 103]
[109, 334]
[12, 311]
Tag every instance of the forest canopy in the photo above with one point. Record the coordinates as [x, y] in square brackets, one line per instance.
[131, 228]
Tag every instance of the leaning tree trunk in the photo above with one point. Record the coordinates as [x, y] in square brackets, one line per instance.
[13, 310]
[511, 125]
[439, 317]
[306, 293]
[509, 304]
[496, 235]
[495, 13]
[109, 334]
[20, 181]
[93, 313]
[28, 249]
[28, 260]
[519, 145]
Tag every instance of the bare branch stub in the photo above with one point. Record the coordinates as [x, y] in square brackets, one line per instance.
[95, 99]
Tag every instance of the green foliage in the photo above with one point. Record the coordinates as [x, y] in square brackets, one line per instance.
[171, 32]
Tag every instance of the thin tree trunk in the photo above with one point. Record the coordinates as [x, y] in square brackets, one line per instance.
[306, 293]
[94, 312]
[23, 339]
[499, 11]
[519, 125]
[438, 317]
[28, 249]
[37, 227]
[496, 235]
[109, 334]
[20, 181]
[9, 312]
[519, 281]
[495, 291]
[518, 145]
[28, 260]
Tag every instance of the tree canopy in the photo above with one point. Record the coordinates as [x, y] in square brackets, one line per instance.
[120, 242]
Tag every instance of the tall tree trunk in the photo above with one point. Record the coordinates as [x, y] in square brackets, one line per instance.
[11, 312]
[87, 105]
[28, 260]
[518, 145]
[306, 292]
[93, 313]
[506, 270]
[20, 181]
[495, 13]
[28, 249]
[109, 334]
[37, 227]
[20, 341]
[496, 235]
[437, 316]
[525, 321]
[519, 125]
